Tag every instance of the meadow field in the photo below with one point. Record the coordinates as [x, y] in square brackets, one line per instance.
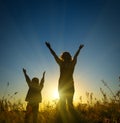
[106, 110]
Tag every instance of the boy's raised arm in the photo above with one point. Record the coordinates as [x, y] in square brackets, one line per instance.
[42, 80]
[53, 52]
[26, 77]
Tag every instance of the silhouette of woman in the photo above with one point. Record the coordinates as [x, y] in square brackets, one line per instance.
[66, 82]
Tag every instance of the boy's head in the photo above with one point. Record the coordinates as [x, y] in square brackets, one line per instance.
[66, 56]
[35, 80]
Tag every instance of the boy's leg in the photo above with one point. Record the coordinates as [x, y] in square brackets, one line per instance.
[35, 112]
[28, 113]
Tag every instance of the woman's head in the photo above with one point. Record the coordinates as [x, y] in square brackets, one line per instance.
[66, 56]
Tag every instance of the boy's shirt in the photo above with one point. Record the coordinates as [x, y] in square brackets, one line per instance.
[34, 95]
[34, 92]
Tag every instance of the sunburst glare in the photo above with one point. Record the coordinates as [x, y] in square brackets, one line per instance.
[55, 94]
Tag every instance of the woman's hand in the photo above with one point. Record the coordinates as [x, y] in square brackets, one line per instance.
[24, 70]
[48, 44]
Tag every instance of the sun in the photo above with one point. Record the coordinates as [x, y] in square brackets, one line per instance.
[55, 94]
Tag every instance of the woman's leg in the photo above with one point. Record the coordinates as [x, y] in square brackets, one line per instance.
[70, 102]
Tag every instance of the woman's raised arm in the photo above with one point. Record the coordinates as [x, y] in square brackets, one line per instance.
[77, 53]
[53, 52]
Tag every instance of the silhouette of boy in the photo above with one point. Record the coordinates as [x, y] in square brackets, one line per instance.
[66, 82]
[33, 97]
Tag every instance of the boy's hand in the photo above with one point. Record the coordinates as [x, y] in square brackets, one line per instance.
[44, 74]
[48, 44]
[43, 78]
[81, 46]
[24, 70]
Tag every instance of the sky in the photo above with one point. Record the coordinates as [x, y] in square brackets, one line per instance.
[25, 25]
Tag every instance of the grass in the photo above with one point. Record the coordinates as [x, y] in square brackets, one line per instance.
[106, 110]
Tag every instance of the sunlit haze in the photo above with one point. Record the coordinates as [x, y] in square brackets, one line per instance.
[26, 25]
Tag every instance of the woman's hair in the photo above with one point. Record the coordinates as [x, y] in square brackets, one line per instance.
[66, 56]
